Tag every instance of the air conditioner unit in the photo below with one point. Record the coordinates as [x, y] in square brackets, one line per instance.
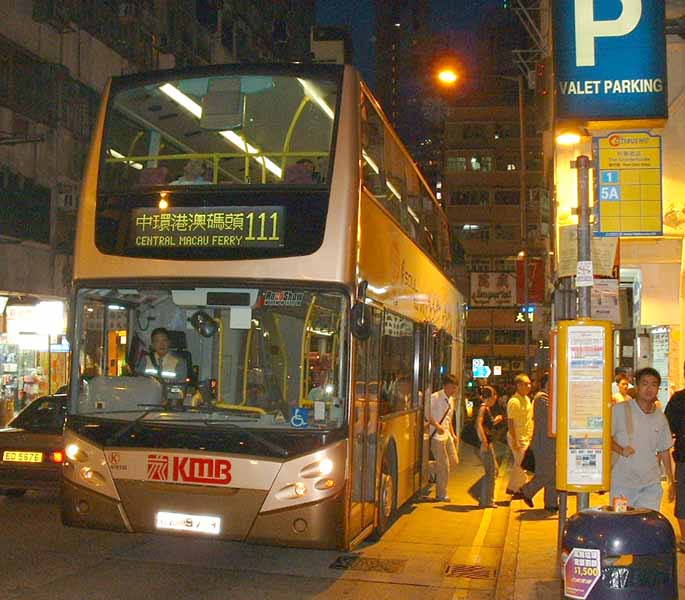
[67, 194]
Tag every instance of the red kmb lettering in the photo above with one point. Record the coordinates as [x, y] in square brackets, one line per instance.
[215, 471]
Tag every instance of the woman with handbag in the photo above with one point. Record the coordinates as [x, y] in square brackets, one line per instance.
[485, 425]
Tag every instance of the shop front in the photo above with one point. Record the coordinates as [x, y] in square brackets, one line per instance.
[34, 352]
[652, 270]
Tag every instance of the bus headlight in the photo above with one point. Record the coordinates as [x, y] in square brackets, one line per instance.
[92, 477]
[320, 468]
[75, 453]
[309, 479]
[292, 491]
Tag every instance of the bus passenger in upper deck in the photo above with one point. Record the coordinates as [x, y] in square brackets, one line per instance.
[162, 362]
[303, 172]
[193, 174]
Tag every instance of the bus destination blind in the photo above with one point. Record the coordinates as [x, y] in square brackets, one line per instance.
[208, 227]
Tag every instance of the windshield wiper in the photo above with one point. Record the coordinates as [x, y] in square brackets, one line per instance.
[121, 432]
[283, 452]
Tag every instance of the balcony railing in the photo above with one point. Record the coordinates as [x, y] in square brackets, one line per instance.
[45, 92]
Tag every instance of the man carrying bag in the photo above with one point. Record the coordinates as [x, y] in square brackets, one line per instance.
[442, 436]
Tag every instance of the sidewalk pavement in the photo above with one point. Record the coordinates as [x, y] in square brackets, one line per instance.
[530, 569]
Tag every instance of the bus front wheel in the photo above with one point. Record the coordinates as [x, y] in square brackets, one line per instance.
[387, 503]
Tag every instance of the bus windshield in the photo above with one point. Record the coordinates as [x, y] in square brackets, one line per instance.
[261, 357]
[219, 130]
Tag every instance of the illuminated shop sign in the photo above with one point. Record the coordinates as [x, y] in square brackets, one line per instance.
[610, 59]
[213, 227]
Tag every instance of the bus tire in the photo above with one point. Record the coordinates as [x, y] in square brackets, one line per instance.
[387, 496]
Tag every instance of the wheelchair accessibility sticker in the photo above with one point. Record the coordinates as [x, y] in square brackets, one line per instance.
[299, 417]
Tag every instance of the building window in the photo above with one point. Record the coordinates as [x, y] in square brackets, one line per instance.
[470, 198]
[473, 131]
[476, 337]
[479, 264]
[473, 232]
[505, 232]
[507, 198]
[26, 208]
[456, 164]
[480, 163]
[507, 163]
[504, 264]
[510, 337]
[503, 131]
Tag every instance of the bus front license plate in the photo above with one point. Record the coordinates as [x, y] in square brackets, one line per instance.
[190, 523]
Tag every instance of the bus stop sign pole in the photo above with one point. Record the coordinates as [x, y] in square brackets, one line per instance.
[582, 164]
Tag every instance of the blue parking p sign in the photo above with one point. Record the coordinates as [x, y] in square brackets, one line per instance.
[610, 59]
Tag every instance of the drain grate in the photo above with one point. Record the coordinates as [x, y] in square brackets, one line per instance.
[354, 562]
[469, 571]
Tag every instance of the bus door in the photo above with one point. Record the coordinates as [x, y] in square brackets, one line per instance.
[426, 362]
[364, 429]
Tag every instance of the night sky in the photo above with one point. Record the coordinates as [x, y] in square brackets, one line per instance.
[357, 16]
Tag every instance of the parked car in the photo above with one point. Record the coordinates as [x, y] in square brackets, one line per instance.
[31, 447]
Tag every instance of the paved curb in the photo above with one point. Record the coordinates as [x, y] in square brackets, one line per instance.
[506, 574]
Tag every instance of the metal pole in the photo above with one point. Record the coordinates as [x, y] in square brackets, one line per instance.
[584, 234]
[582, 165]
[524, 213]
[563, 509]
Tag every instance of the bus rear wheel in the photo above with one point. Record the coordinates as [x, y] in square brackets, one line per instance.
[387, 501]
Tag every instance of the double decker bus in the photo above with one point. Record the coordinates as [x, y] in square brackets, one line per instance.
[269, 222]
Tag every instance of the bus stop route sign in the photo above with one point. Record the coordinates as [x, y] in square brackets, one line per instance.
[628, 184]
[582, 571]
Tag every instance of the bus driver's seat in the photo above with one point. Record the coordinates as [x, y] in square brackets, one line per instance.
[178, 344]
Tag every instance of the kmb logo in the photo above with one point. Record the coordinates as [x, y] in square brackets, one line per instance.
[189, 469]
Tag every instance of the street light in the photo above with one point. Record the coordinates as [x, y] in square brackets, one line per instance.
[568, 138]
[448, 76]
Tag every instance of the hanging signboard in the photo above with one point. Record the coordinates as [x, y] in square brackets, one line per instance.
[610, 59]
[493, 289]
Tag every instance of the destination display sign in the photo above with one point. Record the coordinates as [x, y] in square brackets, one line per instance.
[208, 227]
[629, 184]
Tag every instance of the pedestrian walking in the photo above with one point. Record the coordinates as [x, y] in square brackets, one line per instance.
[623, 384]
[675, 414]
[486, 422]
[544, 450]
[442, 435]
[641, 439]
[520, 424]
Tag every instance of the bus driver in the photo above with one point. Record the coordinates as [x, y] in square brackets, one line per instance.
[160, 361]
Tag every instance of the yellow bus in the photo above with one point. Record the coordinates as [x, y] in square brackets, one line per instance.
[260, 308]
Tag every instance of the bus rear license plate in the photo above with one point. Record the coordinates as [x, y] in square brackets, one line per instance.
[190, 523]
[22, 456]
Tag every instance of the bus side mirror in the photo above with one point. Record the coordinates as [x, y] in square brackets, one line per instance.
[360, 325]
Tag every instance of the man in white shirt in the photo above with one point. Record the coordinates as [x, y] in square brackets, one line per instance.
[162, 362]
[520, 428]
[641, 437]
[439, 411]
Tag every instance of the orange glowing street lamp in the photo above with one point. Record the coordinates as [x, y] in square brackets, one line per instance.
[448, 76]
